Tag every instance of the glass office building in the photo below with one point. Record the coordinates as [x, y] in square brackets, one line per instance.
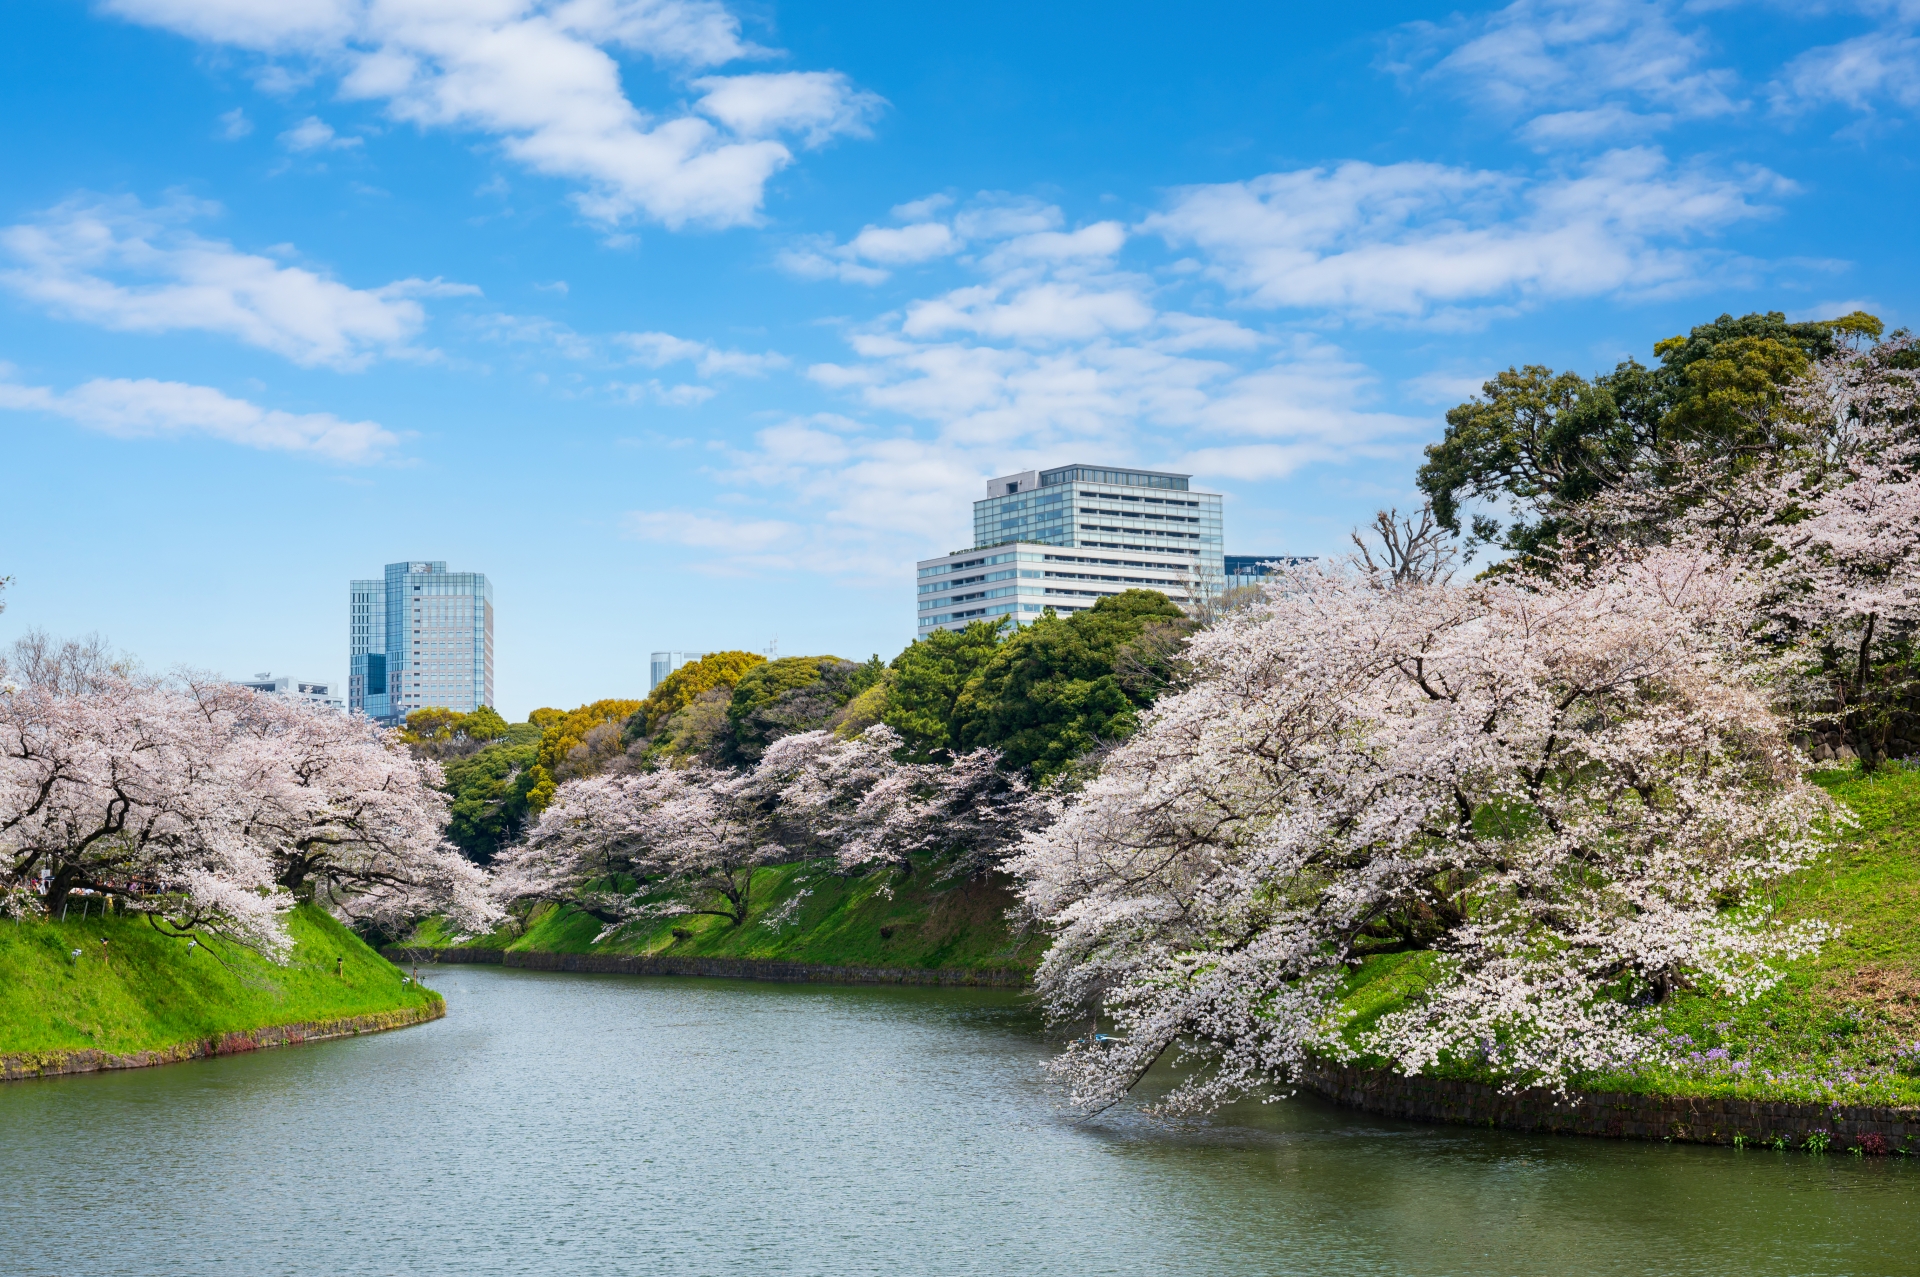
[422, 636]
[1067, 537]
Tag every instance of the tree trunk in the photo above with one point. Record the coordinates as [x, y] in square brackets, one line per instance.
[58, 888]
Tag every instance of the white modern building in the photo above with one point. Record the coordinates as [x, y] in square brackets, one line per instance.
[1067, 537]
[422, 636]
[317, 691]
[665, 663]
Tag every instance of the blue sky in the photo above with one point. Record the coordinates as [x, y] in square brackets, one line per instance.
[694, 324]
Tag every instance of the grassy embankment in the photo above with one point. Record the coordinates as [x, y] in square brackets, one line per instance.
[1843, 1025]
[143, 991]
[806, 913]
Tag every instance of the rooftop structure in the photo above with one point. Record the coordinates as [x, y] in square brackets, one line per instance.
[316, 691]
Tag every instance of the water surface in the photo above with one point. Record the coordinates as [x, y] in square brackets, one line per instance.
[566, 1124]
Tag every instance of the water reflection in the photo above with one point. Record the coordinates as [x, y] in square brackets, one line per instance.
[583, 1125]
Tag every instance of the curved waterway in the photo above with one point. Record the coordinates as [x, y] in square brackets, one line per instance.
[561, 1125]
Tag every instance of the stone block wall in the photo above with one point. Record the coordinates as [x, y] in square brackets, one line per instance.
[1618, 1115]
[721, 968]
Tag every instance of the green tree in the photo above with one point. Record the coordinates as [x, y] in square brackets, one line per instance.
[490, 792]
[1542, 442]
[1050, 693]
[928, 677]
[680, 688]
[792, 694]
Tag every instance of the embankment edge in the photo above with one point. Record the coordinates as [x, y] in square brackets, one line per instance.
[719, 968]
[21, 1065]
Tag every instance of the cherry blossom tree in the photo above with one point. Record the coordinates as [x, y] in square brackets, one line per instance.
[690, 840]
[672, 842]
[1560, 797]
[348, 815]
[125, 786]
[1849, 575]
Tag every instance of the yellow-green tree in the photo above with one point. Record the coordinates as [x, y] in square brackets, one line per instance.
[678, 689]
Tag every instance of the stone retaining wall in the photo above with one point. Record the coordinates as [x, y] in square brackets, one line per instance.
[720, 968]
[1618, 1115]
[26, 1064]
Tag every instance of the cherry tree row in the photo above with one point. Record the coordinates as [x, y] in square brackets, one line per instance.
[690, 840]
[213, 808]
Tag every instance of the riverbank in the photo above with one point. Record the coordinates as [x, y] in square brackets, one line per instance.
[802, 915]
[131, 997]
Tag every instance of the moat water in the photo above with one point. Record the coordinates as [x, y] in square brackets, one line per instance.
[564, 1124]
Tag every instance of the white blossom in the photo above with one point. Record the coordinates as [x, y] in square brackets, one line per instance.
[1564, 794]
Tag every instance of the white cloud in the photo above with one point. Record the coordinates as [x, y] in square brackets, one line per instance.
[1576, 64]
[681, 395]
[708, 531]
[315, 134]
[148, 409]
[120, 265]
[1050, 311]
[1054, 354]
[657, 350]
[818, 105]
[534, 75]
[863, 259]
[1414, 240]
[234, 125]
[1881, 67]
[1609, 124]
[904, 245]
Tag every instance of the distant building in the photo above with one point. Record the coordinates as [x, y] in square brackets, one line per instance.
[422, 636]
[1246, 569]
[665, 663]
[317, 691]
[1067, 537]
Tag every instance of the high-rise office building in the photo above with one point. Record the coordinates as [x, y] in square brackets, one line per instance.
[1067, 537]
[422, 636]
[665, 663]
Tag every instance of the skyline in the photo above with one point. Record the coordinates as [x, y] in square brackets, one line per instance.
[693, 325]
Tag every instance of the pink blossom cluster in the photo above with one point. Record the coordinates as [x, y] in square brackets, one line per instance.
[211, 807]
[689, 840]
[1551, 801]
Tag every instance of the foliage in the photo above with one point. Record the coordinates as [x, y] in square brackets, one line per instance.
[561, 737]
[1563, 793]
[1049, 693]
[1545, 442]
[684, 685]
[441, 733]
[579, 742]
[790, 695]
[928, 677]
[489, 793]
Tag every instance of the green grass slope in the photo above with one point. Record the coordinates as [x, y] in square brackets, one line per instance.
[807, 913]
[141, 990]
[1842, 1026]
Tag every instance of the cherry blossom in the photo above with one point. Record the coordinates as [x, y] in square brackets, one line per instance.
[1561, 797]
